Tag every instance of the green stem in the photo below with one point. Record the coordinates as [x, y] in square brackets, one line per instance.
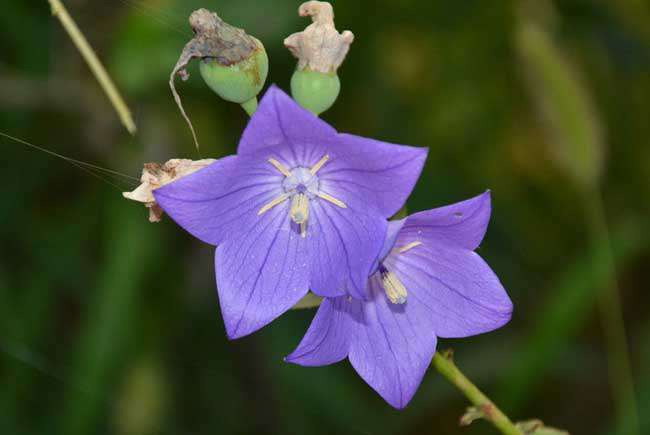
[250, 106]
[444, 363]
[611, 315]
[95, 65]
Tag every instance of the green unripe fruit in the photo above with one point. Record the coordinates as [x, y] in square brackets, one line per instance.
[239, 82]
[315, 91]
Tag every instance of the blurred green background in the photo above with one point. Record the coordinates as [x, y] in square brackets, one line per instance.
[110, 324]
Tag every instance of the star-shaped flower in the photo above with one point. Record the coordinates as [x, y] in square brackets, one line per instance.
[299, 207]
[429, 283]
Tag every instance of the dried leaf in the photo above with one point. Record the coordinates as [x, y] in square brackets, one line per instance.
[471, 415]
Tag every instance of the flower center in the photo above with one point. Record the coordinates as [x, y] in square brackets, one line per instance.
[395, 290]
[300, 185]
[302, 181]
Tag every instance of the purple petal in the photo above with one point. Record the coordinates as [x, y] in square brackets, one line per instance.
[279, 120]
[392, 232]
[381, 173]
[327, 340]
[460, 225]
[393, 348]
[452, 289]
[261, 273]
[221, 199]
[390, 346]
[344, 244]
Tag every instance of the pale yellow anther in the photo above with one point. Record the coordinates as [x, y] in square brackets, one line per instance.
[300, 208]
[280, 167]
[279, 200]
[394, 288]
[331, 199]
[405, 248]
[319, 164]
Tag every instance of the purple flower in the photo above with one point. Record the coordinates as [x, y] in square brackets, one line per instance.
[299, 207]
[429, 283]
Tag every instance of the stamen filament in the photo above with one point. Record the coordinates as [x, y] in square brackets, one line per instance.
[303, 229]
[319, 164]
[410, 246]
[395, 290]
[279, 200]
[300, 208]
[331, 199]
[280, 167]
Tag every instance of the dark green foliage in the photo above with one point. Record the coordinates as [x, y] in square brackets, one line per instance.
[109, 324]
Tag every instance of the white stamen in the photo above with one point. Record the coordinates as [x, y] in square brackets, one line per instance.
[331, 199]
[394, 288]
[303, 230]
[279, 200]
[300, 208]
[411, 245]
[319, 164]
[280, 167]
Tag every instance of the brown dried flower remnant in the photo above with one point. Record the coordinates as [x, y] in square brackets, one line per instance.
[213, 39]
[319, 47]
[155, 175]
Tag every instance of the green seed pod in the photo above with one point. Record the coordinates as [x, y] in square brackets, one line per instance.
[315, 91]
[238, 82]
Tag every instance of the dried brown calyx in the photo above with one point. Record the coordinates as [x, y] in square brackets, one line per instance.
[319, 47]
[155, 175]
[213, 39]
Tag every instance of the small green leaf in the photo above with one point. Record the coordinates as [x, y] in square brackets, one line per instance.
[310, 300]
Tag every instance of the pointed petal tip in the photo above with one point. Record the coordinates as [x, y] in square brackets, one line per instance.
[421, 155]
[233, 333]
[292, 359]
[275, 94]
[398, 406]
[504, 313]
[278, 119]
[400, 402]
[485, 199]
[418, 154]
[303, 360]
[308, 358]
[501, 319]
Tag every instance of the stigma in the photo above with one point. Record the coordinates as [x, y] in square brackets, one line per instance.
[395, 290]
[300, 185]
[300, 208]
